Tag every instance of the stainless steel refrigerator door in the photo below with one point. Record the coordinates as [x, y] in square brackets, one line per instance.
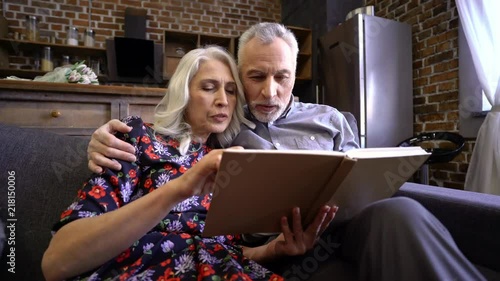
[366, 69]
[341, 71]
[388, 81]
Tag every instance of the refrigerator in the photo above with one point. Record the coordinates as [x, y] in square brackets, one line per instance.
[365, 68]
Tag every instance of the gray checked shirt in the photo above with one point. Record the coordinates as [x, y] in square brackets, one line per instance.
[302, 126]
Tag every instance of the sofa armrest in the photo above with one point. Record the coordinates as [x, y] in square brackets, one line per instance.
[472, 218]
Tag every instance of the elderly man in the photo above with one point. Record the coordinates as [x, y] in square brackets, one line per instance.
[393, 239]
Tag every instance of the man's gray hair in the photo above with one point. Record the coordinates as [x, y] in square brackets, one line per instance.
[266, 32]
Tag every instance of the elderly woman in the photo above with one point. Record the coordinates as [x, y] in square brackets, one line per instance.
[144, 221]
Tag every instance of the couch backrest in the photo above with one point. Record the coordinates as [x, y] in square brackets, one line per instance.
[48, 170]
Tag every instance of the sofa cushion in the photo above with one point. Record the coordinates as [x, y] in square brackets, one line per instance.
[48, 169]
[472, 219]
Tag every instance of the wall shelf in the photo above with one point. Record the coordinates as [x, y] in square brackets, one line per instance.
[177, 43]
[14, 46]
[304, 60]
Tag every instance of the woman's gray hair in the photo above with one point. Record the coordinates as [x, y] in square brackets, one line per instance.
[266, 32]
[169, 116]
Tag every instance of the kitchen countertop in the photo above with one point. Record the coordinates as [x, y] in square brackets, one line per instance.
[79, 88]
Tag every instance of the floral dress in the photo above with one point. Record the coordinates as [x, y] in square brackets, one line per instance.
[174, 249]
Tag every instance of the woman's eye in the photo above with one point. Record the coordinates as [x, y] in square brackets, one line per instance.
[231, 90]
[208, 87]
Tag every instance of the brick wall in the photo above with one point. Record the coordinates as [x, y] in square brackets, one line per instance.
[217, 17]
[435, 74]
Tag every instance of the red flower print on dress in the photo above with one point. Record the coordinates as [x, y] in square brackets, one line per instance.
[166, 275]
[114, 180]
[135, 181]
[206, 201]
[276, 277]
[218, 247]
[165, 263]
[206, 270]
[167, 167]
[145, 139]
[81, 195]
[123, 255]
[185, 235]
[182, 169]
[66, 213]
[124, 276]
[132, 174]
[148, 183]
[173, 143]
[240, 276]
[115, 198]
[149, 151]
[97, 192]
[191, 224]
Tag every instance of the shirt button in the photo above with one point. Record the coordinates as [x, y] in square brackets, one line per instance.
[277, 144]
[312, 138]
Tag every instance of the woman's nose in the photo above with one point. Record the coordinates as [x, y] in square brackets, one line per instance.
[221, 97]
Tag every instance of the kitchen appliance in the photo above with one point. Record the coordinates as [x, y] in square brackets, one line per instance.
[366, 69]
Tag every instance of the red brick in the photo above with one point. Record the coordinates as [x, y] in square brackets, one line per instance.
[427, 108]
[431, 117]
[441, 126]
[451, 105]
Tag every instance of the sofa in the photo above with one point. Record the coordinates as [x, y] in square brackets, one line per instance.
[40, 172]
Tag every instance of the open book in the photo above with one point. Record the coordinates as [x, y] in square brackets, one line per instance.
[255, 188]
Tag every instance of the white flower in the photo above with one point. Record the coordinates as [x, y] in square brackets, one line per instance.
[87, 71]
[92, 76]
[74, 76]
[81, 74]
[84, 80]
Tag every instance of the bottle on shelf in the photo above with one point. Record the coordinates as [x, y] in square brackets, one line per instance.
[32, 32]
[65, 60]
[89, 38]
[47, 64]
[72, 36]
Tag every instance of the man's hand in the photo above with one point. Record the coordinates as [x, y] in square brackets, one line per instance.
[104, 145]
[295, 240]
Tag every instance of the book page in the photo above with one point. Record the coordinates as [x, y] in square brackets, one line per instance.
[255, 188]
[379, 152]
[374, 179]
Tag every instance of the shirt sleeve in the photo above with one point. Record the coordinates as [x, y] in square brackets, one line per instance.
[110, 190]
[346, 139]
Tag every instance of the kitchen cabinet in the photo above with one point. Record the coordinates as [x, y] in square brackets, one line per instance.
[304, 59]
[73, 109]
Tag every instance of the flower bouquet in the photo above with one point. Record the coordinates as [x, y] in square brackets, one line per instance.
[81, 74]
[76, 73]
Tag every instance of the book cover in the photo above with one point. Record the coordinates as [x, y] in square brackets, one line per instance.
[255, 188]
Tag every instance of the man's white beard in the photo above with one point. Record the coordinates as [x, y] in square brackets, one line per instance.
[266, 118]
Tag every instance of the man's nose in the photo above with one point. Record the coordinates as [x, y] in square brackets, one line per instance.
[269, 89]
